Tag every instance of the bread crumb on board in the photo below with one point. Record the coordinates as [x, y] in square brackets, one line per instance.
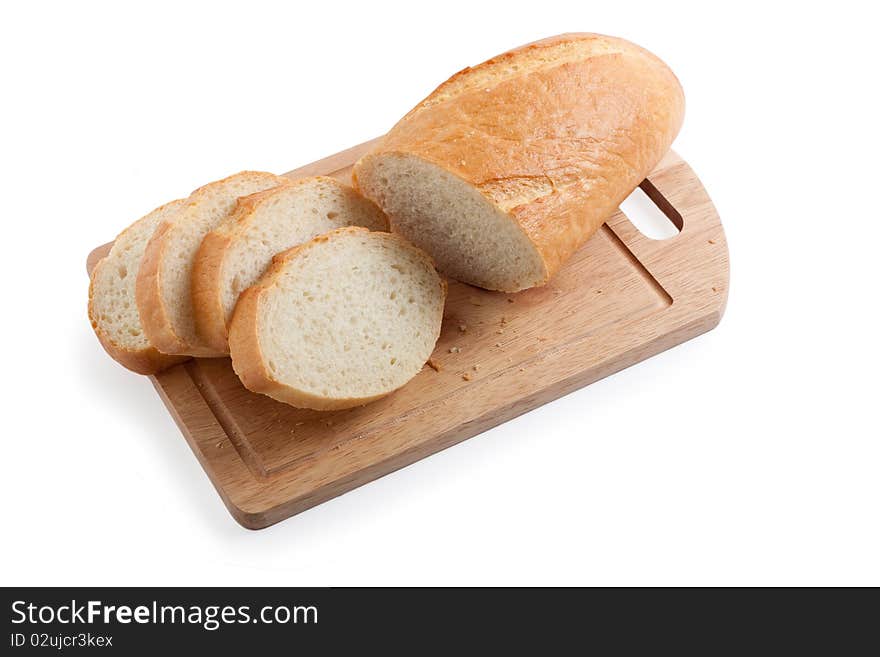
[454, 350]
[462, 327]
[466, 376]
[434, 365]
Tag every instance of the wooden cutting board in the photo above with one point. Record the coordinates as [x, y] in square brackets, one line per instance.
[620, 299]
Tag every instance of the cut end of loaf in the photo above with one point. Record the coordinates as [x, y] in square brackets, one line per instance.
[338, 322]
[469, 238]
[508, 167]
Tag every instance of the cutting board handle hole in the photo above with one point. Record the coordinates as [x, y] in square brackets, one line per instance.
[650, 212]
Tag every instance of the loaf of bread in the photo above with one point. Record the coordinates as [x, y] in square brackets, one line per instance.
[507, 168]
[339, 321]
[163, 288]
[234, 255]
[112, 308]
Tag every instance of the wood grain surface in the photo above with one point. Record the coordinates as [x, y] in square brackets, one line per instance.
[622, 298]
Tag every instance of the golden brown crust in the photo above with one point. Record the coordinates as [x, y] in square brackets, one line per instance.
[244, 333]
[244, 347]
[148, 295]
[207, 275]
[558, 146]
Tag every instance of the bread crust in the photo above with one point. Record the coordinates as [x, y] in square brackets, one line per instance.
[585, 128]
[148, 295]
[207, 277]
[244, 334]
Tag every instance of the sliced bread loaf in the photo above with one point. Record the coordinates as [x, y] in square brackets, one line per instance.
[234, 255]
[504, 170]
[112, 308]
[339, 321]
[162, 290]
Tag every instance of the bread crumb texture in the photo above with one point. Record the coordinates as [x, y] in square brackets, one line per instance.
[113, 308]
[352, 316]
[278, 219]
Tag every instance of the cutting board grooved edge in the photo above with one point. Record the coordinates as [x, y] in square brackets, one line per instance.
[639, 266]
[225, 419]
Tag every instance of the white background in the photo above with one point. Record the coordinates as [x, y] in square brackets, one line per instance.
[747, 456]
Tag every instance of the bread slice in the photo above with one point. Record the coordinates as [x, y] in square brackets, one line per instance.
[339, 321]
[112, 308]
[234, 255]
[163, 292]
[507, 168]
